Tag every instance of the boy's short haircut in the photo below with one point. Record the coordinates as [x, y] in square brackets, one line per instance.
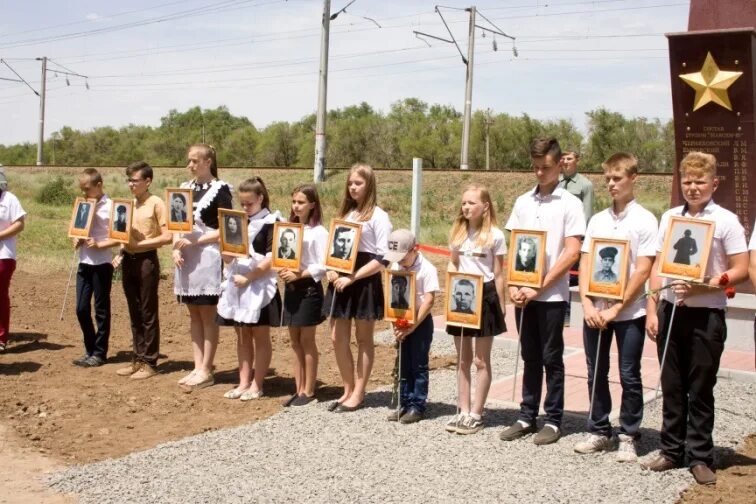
[546, 146]
[573, 152]
[698, 163]
[621, 161]
[143, 168]
[92, 174]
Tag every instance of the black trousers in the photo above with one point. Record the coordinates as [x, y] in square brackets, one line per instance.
[141, 274]
[542, 344]
[688, 378]
[94, 279]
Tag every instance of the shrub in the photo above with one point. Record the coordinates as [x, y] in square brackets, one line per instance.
[56, 191]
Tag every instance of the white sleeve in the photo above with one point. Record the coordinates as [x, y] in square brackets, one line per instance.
[513, 222]
[648, 237]
[733, 238]
[15, 212]
[662, 231]
[382, 228]
[574, 218]
[752, 243]
[499, 243]
[431, 279]
[318, 250]
[586, 246]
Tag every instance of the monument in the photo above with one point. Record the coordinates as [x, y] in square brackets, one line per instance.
[713, 95]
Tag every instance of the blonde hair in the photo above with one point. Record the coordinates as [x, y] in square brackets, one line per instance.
[365, 210]
[461, 226]
[621, 161]
[698, 163]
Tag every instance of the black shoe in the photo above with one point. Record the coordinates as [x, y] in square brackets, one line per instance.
[81, 361]
[302, 400]
[346, 409]
[411, 416]
[333, 405]
[395, 415]
[93, 361]
[289, 401]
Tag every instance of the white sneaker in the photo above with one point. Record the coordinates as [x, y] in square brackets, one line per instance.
[626, 451]
[594, 443]
[454, 422]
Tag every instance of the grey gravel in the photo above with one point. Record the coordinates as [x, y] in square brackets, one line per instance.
[309, 454]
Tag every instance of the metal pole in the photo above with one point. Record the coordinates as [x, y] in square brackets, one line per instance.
[488, 127]
[468, 92]
[417, 191]
[320, 121]
[41, 141]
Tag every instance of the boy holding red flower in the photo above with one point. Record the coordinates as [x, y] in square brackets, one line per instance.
[698, 332]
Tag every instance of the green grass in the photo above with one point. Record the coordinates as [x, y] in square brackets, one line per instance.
[44, 247]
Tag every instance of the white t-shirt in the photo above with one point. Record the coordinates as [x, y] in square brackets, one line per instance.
[314, 243]
[635, 224]
[752, 243]
[475, 259]
[98, 231]
[561, 215]
[375, 231]
[729, 239]
[10, 212]
[426, 277]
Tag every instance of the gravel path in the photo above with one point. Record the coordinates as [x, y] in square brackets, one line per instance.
[309, 454]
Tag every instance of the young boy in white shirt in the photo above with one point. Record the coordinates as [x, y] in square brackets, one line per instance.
[417, 338]
[627, 220]
[698, 332]
[552, 209]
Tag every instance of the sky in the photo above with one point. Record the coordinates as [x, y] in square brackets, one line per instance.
[260, 58]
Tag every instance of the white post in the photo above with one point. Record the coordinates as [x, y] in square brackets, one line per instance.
[468, 93]
[320, 118]
[417, 191]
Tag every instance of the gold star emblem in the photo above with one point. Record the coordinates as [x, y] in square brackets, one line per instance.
[711, 84]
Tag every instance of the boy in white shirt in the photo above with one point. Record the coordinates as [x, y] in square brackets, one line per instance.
[552, 209]
[698, 333]
[12, 219]
[416, 339]
[627, 220]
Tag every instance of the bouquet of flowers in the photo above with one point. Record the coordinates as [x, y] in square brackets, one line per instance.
[722, 283]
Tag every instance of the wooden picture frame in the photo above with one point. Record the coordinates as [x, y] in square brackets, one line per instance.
[399, 295]
[179, 205]
[343, 243]
[120, 229]
[687, 245]
[288, 238]
[526, 258]
[82, 215]
[608, 272]
[464, 302]
[234, 239]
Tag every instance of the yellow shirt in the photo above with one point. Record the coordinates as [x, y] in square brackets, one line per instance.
[148, 220]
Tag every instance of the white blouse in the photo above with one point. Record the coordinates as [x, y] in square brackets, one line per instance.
[375, 231]
[314, 244]
[475, 259]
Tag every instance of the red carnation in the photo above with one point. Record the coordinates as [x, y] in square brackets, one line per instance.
[724, 280]
[730, 292]
[401, 323]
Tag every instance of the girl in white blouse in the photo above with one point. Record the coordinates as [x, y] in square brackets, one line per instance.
[303, 302]
[358, 296]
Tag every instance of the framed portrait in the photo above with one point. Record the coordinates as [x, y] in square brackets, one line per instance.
[179, 204]
[343, 242]
[608, 277]
[687, 244]
[399, 295]
[119, 226]
[287, 244]
[233, 232]
[81, 217]
[464, 302]
[527, 254]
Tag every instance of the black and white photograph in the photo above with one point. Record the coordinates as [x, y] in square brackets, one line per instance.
[343, 243]
[687, 244]
[233, 227]
[120, 220]
[609, 259]
[399, 295]
[81, 218]
[287, 245]
[526, 258]
[179, 205]
[464, 300]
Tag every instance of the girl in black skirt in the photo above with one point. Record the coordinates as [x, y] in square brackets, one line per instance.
[358, 296]
[477, 246]
[303, 302]
[250, 301]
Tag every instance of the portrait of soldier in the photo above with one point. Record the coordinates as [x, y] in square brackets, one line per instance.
[343, 241]
[685, 247]
[605, 273]
[527, 251]
[286, 242]
[178, 208]
[119, 223]
[399, 294]
[464, 296]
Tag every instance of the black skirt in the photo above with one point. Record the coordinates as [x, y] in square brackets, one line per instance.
[270, 315]
[492, 319]
[303, 303]
[200, 300]
[362, 300]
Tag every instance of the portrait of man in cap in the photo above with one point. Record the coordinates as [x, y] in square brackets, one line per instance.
[606, 273]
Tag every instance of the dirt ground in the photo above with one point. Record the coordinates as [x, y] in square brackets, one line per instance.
[53, 413]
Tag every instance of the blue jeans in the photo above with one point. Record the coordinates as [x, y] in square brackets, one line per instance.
[97, 280]
[630, 337]
[414, 366]
[542, 344]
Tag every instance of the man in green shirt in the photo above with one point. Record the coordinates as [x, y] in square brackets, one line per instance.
[575, 183]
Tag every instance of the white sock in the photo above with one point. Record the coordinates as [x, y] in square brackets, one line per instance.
[556, 429]
[475, 416]
[524, 424]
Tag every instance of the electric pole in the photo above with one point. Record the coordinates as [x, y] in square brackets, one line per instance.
[320, 121]
[468, 92]
[41, 141]
[489, 122]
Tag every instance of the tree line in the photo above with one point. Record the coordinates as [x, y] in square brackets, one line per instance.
[411, 128]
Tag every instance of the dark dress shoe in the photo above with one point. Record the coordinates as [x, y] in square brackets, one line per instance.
[302, 400]
[703, 475]
[346, 409]
[411, 416]
[81, 361]
[289, 400]
[94, 361]
[333, 405]
[660, 463]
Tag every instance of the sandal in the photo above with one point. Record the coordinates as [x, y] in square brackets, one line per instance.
[235, 393]
[248, 395]
[188, 377]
